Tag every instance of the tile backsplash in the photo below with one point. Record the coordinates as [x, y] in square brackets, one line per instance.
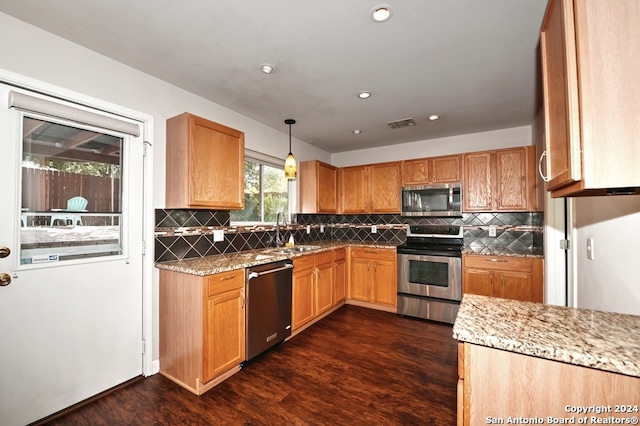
[183, 234]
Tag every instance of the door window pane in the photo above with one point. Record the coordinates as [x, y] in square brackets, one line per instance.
[71, 192]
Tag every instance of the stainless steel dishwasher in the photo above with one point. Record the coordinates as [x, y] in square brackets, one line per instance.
[268, 309]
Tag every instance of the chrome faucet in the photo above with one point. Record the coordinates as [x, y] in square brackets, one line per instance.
[280, 240]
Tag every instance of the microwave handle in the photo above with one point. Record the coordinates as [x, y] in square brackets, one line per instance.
[450, 196]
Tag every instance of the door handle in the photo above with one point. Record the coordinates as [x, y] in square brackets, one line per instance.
[5, 279]
[4, 252]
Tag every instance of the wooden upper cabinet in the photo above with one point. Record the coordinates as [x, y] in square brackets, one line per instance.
[515, 179]
[205, 164]
[477, 184]
[354, 189]
[591, 95]
[384, 187]
[424, 171]
[373, 188]
[502, 180]
[318, 187]
[415, 172]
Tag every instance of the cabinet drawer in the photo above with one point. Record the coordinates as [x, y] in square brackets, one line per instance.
[303, 262]
[225, 281]
[373, 253]
[502, 263]
[325, 257]
[340, 254]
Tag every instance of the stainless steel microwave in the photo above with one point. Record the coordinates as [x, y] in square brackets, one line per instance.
[441, 200]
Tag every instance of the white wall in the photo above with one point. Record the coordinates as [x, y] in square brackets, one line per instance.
[495, 139]
[611, 281]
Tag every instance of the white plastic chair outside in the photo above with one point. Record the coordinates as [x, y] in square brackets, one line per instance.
[74, 204]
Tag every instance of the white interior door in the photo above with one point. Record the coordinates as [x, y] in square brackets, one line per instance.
[71, 317]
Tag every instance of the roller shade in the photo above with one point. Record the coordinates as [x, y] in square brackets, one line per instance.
[264, 158]
[26, 102]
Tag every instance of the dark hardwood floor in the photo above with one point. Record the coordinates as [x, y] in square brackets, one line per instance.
[357, 366]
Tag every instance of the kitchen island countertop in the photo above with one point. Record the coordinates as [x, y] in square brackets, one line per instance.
[602, 340]
[209, 265]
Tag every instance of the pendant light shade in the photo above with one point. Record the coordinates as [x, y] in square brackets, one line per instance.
[290, 166]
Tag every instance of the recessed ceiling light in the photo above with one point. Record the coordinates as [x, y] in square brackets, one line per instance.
[364, 95]
[434, 117]
[267, 68]
[381, 13]
[357, 131]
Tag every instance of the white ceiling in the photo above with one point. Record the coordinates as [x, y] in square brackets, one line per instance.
[473, 62]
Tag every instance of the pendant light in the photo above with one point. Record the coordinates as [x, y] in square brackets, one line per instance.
[290, 166]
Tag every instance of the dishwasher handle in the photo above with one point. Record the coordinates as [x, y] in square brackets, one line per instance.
[270, 271]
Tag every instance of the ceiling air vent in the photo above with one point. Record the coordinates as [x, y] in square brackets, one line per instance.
[405, 122]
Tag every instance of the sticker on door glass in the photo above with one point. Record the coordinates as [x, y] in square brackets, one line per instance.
[45, 258]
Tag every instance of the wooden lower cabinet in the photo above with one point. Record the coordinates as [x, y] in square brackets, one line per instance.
[202, 327]
[324, 282]
[302, 306]
[503, 276]
[373, 276]
[314, 285]
[340, 277]
[495, 385]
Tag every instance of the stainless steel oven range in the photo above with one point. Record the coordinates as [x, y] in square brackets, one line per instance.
[430, 272]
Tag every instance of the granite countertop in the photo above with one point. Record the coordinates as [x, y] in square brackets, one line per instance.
[601, 340]
[506, 253]
[225, 262]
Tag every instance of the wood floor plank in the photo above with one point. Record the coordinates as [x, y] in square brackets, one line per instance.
[357, 366]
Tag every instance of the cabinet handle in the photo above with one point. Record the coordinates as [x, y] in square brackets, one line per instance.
[498, 260]
[542, 156]
[371, 251]
[230, 277]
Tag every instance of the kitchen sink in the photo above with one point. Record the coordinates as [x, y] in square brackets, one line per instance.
[295, 249]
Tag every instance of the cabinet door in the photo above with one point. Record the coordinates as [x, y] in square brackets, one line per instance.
[223, 333]
[385, 287]
[302, 297]
[340, 279]
[324, 288]
[515, 285]
[385, 187]
[205, 164]
[478, 281]
[477, 182]
[511, 179]
[415, 172]
[354, 189]
[559, 84]
[359, 282]
[327, 188]
[446, 169]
